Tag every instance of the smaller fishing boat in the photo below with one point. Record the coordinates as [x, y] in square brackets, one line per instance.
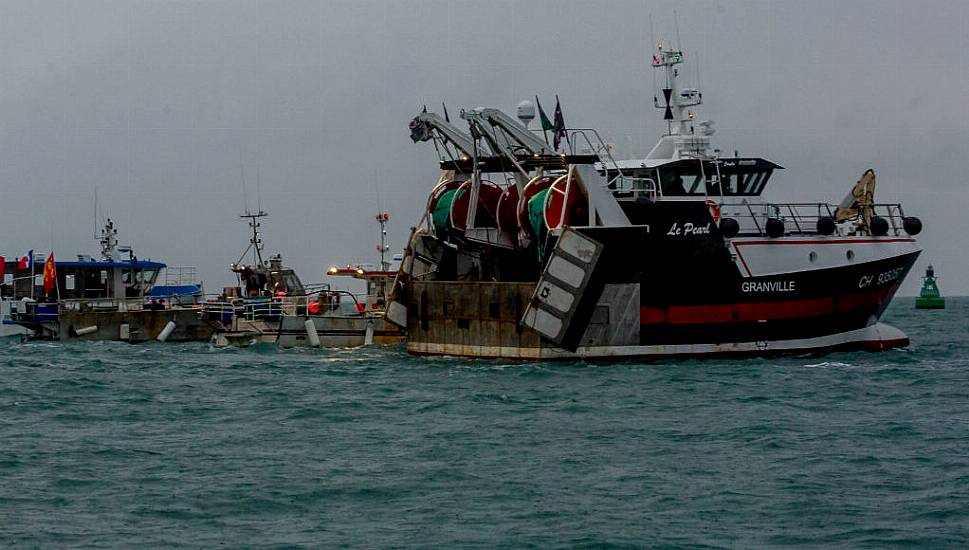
[272, 305]
[112, 298]
[930, 297]
[250, 312]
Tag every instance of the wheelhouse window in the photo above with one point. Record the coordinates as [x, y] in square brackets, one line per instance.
[734, 177]
[744, 183]
[93, 282]
[291, 283]
[676, 183]
[150, 275]
[688, 178]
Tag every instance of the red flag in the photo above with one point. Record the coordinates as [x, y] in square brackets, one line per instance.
[3, 268]
[50, 274]
[22, 263]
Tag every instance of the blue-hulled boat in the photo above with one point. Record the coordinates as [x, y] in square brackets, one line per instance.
[115, 297]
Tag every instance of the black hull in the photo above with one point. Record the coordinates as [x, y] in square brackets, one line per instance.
[656, 295]
[817, 303]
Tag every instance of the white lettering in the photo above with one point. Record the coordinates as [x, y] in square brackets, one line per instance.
[890, 276]
[880, 279]
[689, 228]
[768, 286]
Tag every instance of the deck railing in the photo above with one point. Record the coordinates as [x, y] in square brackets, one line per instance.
[635, 188]
[270, 308]
[802, 218]
[180, 275]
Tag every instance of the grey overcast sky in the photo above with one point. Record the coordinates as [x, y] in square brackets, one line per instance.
[161, 104]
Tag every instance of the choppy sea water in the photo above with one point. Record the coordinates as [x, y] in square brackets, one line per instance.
[113, 445]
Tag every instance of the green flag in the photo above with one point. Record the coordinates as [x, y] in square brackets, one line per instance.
[546, 123]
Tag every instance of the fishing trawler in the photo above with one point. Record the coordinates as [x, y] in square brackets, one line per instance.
[272, 305]
[251, 312]
[534, 251]
[111, 298]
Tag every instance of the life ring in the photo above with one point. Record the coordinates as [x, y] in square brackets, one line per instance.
[714, 210]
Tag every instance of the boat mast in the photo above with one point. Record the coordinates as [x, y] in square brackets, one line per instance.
[683, 139]
[382, 218]
[675, 101]
[255, 241]
[108, 241]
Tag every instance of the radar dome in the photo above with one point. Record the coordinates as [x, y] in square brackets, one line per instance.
[526, 112]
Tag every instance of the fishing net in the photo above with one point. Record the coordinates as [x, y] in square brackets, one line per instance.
[442, 211]
[536, 218]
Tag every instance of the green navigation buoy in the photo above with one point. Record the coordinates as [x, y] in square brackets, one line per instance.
[930, 298]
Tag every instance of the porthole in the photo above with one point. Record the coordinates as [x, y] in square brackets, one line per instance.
[850, 255]
[813, 256]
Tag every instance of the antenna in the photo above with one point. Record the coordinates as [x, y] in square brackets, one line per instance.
[698, 87]
[652, 49]
[258, 192]
[95, 212]
[676, 23]
[376, 188]
[242, 170]
[255, 241]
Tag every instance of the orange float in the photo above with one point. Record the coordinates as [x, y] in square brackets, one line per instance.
[487, 214]
[508, 210]
[568, 198]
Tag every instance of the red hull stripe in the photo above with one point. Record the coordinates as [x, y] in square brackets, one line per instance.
[760, 311]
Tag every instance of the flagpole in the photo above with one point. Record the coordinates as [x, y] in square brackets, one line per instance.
[542, 118]
[57, 284]
[559, 131]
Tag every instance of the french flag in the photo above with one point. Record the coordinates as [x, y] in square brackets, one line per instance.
[27, 261]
